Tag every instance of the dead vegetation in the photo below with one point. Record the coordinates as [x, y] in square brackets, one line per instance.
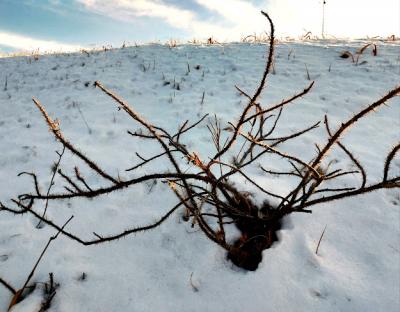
[256, 38]
[209, 198]
[355, 57]
[48, 288]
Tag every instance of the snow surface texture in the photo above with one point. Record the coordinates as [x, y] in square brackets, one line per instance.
[358, 264]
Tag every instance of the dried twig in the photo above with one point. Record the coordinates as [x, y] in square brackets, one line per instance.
[18, 295]
[54, 170]
[8, 286]
[319, 241]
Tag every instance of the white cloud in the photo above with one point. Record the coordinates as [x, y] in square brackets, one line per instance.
[128, 9]
[27, 43]
[231, 25]
[233, 10]
[237, 18]
[244, 17]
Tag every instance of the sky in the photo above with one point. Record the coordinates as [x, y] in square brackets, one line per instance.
[54, 25]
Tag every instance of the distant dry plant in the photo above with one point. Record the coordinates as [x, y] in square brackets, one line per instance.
[374, 49]
[194, 41]
[211, 201]
[355, 58]
[307, 36]
[212, 40]
[261, 38]
[172, 43]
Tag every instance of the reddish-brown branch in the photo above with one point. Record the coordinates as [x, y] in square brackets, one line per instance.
[119, 186]
[54, 127]
[256, 94]
[388, 160]
[153, 131]
[335, 137]
[351, 156]
[283, 103]
[391, 183]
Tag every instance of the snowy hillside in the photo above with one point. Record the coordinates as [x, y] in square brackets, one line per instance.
[175, 267]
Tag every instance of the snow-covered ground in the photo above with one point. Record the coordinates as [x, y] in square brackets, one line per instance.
[358, 264]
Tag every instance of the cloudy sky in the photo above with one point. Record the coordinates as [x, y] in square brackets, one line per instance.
[70, 24]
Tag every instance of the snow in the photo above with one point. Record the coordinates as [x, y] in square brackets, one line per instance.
[358, 264]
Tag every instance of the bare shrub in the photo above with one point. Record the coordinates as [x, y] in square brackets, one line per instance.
[210, 199]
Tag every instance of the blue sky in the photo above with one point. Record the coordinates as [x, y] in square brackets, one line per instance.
[45, 24]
